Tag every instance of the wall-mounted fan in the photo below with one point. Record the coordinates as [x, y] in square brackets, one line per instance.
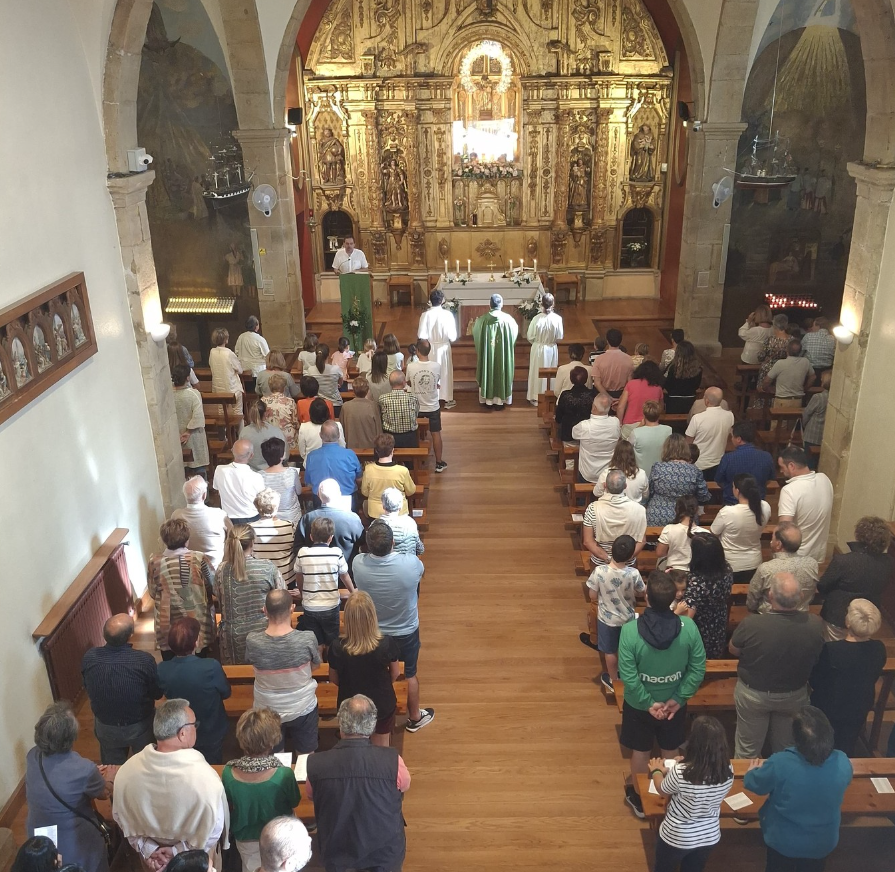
[264, 198]
[722, 190]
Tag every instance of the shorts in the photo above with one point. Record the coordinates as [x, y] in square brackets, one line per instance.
[409, 651]
[324, 625]
[607, 638]
[384, 726]
[434, 420]
[300, 733]
[640, 730]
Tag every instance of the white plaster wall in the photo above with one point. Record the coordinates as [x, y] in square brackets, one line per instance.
[762, 19]
[870, 488]
[706, 16]
[78, 461]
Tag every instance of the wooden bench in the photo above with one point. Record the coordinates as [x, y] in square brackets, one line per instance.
[218, 413]
[747, 374]
[861, 797]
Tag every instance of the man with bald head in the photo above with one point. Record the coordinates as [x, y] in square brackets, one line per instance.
[597, 438]
[777, 652]
[122, 685]
[348, 529]
[785, 544]
[709, 431]
[400, 408]
[238, 484]
[331, 460]
[614, 514]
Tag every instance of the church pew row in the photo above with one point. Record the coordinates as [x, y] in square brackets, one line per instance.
[861, 797]
[716, 694]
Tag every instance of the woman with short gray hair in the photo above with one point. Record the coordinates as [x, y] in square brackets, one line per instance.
[404, 528]
[60, 786]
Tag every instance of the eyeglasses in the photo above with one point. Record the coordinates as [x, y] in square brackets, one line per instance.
[190, 724]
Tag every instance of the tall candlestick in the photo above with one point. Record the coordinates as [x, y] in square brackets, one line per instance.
[458, 267]
[468, 267]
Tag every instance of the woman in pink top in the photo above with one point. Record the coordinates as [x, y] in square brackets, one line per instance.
[645, 384]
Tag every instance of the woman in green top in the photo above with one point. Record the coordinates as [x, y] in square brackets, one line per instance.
[259, 787]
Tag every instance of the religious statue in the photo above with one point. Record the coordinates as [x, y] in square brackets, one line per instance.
[332, 159]
[395, 186]
[460, 211]
[642, 147]
[578, 186]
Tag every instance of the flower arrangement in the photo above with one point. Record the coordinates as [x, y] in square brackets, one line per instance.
[452, 305]
[529, 308]
[635, 247]
[355, 321]
[477, 170]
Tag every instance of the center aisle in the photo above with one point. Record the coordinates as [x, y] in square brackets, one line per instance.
[521, 767]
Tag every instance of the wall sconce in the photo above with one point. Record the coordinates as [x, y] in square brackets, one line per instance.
[160, 332]
[843, 335]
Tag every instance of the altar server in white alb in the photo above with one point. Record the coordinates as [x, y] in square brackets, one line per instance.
[349, 258]
[544, 332]
[439, 326]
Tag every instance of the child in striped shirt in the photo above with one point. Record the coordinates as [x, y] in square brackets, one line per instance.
[319, 567]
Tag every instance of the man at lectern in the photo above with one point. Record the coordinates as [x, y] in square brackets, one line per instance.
[349, 258]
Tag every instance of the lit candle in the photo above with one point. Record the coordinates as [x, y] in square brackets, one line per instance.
[536, 265]
[445, 267]
[511, 266]
[458, 267]
[469, 266]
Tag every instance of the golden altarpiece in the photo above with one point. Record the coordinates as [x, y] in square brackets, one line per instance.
[488, 131]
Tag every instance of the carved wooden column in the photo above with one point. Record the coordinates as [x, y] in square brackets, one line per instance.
[373, 172]
[412, 156]
[561, 174]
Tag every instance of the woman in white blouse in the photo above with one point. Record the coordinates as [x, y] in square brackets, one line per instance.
[739, 527]
[226, 370]
[309, 432]
[674, 540]
[636, 481]
[754, 332]
[544, 332]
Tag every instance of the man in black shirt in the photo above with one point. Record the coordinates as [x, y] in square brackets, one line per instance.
[122, 685]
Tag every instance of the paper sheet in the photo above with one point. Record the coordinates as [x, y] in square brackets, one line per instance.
[738, 801]
[285, 757]
[417, 513]
[578, 518]
[51, 832]
[301, 767]
[652, 788]
[882, 785]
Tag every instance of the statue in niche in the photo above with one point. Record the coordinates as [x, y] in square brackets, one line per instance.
[41, 349]
[332, 159]
[460, 211]
[394, 185]
[643, 145]
[578, 178]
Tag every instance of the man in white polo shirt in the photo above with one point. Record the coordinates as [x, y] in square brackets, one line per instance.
[611, 516]
[709, 431]
[238, 484]
[349, 259]
[597, 438]
[806, 501]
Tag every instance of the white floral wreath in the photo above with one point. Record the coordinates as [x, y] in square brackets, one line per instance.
[491, 49]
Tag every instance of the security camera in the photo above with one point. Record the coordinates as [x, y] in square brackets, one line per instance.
[137, 160]
[697, 126]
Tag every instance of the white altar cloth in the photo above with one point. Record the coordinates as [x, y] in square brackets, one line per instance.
[478, 290]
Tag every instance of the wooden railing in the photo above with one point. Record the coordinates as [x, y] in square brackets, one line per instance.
[75, 623]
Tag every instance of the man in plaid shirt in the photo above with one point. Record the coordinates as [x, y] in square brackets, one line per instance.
[400, 409]
[819, 346]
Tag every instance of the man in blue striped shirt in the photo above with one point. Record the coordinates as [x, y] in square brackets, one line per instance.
[122, 685]
[744, 458]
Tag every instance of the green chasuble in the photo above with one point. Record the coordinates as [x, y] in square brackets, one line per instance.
[495, 338]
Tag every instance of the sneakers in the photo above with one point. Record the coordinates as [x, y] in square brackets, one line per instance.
[606, 681]
[741, 821]
[632, 798]
[427, 715]
[440, 466]
[450, 404]
[585, 640]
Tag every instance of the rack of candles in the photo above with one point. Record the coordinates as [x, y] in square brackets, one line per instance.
[791, 301]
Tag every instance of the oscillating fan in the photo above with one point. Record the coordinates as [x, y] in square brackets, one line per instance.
[264, 198]
[722, 190]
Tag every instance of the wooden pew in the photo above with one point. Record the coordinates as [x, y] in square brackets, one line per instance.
[218, 414]
[861, 797]
[747, 374]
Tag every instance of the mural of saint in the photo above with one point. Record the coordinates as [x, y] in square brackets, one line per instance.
[76, 327]
[642, 147]
[61, 339]
[578, 185]
[41, 349]
[198, 206]
[234, 258]
[332, 159]
[395, 186]
[20, 362]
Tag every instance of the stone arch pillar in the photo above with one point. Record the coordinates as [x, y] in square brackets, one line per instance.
[128, 193]
[700, 286]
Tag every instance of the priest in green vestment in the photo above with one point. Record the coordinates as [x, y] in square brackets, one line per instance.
[495, 340]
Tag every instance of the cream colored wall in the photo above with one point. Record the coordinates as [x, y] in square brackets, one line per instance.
[870, 484]
[79, 461]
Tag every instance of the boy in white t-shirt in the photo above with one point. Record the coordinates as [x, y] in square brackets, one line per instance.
[614, 588]
[424, 379]
[318, 569]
